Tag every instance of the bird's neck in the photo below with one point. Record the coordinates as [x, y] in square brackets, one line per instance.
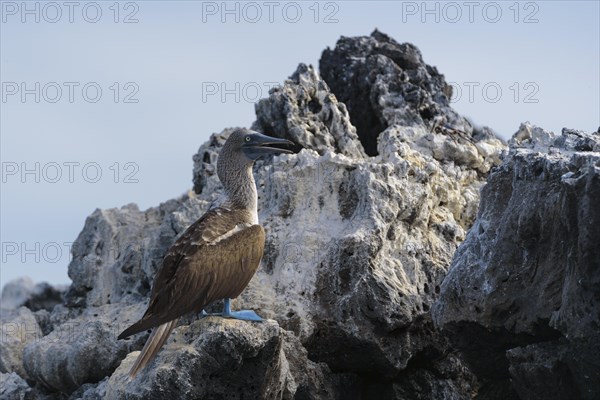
[241, 191]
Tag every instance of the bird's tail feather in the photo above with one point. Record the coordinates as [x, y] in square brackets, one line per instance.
[157, 338]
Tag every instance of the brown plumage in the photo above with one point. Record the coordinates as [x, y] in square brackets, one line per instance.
[216, 257]
[195, 272]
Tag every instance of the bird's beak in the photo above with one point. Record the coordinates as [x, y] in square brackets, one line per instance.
[260, 145]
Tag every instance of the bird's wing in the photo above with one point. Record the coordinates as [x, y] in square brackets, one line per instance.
[207, 263]
[213, 224]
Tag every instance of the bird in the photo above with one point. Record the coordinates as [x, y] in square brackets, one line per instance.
[215, 257]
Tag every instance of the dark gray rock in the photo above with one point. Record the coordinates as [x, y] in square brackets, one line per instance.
[45, 297]
[385, 83]
[529, 269]
[205, 161]
[556, 370]
[90, 391]
[220, 358]
[433, 375]
[23, 292]
[13, 387]
[82, 350]
[305, 379]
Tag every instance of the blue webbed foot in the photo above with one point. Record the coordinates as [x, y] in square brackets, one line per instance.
[245, 315]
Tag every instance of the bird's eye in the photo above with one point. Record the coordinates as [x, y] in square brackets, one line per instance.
[248, 138]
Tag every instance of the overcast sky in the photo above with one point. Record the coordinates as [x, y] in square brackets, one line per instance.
[105, 105]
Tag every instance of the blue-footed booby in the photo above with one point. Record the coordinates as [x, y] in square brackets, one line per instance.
[217, 255]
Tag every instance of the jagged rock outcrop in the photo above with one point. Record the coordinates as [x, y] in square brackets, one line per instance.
[306, 112]
[357, 247]
[365, 292]
[385, 83]
[527, 277]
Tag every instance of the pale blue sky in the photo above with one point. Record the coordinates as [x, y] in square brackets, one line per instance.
[178, 48]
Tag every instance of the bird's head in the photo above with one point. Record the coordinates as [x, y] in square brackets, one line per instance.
[250, 145]
[234, 165]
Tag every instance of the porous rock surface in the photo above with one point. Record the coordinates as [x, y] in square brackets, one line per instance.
[362, 226]
[306, 112]
[13, 387]
[385, 83]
